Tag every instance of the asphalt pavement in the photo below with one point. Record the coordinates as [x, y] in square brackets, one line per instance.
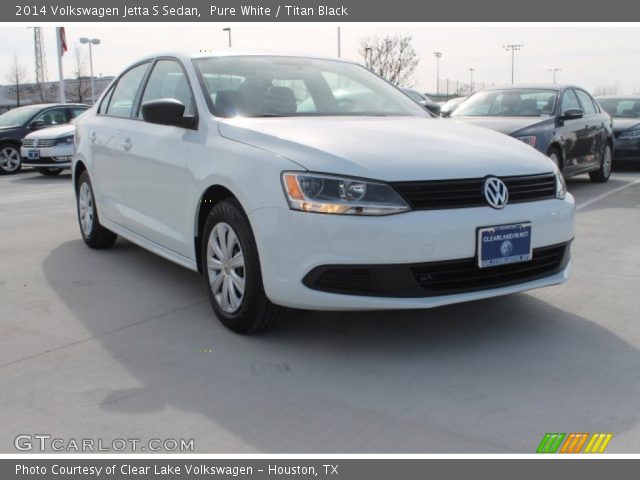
[123, 344]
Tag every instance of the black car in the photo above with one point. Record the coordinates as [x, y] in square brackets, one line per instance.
[422, 100]
[625, 112]
[17, 123]
[561, 121]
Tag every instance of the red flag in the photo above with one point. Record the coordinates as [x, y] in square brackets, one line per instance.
[62, 41]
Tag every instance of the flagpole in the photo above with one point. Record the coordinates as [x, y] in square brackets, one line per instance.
[59, 35]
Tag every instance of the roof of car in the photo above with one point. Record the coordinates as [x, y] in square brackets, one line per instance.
[207, 53]
[545, 86]
[48, 105]
[618, 97]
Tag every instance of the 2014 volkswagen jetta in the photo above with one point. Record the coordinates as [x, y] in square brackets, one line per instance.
[312, 183]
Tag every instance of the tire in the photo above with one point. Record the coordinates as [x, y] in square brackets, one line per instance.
[231, 271]
[93, 234]
[555, 156]
[49, 172]
[10, 159]
[602, 174]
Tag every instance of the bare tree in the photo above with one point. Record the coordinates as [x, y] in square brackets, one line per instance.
[613, 89]
[391, 57]
[79, 90]
[17, 77]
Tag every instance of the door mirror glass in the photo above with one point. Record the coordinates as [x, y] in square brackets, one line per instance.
[572, 113]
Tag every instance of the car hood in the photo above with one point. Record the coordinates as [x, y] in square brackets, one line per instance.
[53, 132]
[506, 125]
[9, 129]
[622, 124]
[388, 148]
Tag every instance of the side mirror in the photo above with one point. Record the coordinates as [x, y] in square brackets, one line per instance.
[445, 113]
[572, 114]
[432, 107]
[166, 111]
[37, 125]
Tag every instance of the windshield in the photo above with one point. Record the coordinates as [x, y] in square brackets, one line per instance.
[621, 107]
[264, 86]
[509, 103]
[18, 116]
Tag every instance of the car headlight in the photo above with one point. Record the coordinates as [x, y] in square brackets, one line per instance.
[68, 140]
[630, 135]
[313, 192]
[529, 140]
[561, 185]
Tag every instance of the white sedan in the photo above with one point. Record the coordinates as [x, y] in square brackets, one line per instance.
[312, 183]
[49, 150]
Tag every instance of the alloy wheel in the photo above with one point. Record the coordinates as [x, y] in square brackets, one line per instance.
[606, 161]
[85, 209]
[226, 267]
[9, 159]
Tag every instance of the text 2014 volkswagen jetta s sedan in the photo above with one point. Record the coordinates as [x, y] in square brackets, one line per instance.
[312, 183]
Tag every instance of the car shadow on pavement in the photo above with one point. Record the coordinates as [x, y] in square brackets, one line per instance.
[38, 179]
[486, 376]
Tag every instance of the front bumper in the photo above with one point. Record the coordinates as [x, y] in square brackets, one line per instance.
[291, 244]
[627, 150]
[58, 156]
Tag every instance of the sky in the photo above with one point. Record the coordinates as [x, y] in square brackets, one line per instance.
[589, 56]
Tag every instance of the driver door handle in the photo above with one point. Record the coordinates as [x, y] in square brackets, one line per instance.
[126, 145]
[93, 137]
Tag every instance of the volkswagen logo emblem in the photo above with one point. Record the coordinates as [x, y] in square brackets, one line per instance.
[35, 142]
[506, 248]
[496, 193]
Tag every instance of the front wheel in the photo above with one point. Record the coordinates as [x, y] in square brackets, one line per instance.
[602, 174]
[10, 159]
[93, 234]
[49, 172]
[232, 272]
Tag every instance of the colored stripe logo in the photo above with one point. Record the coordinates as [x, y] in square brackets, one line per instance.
[574, 443]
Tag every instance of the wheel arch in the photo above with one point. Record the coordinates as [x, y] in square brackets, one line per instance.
[78, 168]
[212, 195]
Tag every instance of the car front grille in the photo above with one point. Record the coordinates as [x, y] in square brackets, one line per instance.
[42, 142]
[464, 193]
[435, 278]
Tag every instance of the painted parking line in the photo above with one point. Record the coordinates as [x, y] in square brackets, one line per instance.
[606, 194]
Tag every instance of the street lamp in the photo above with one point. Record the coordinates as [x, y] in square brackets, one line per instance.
[514, 47]
[91, 41]
[438, 56]
[553, 71]
[471, 70]
[339, 52]
[228, 29]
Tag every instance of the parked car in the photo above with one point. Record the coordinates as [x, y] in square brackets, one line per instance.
[449, 106]
[422, 100]
[49, 150]
[563, 122]
[19, 122]
[338, 207]
[625, 112]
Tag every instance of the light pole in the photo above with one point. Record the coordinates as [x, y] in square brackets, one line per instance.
[438, 56]
[553, 71]
[513, 48]
[367, 57]
[339, 42]
[228, 29]
[91, 41]
[471, 70]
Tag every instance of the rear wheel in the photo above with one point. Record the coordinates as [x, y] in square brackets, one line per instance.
[49, 172]
[93, 234]
[602, 174]
[232, 271]
[10, 160]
